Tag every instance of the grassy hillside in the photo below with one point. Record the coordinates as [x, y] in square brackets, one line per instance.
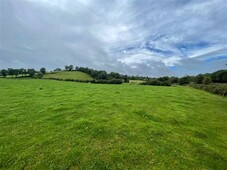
[75, 75]
[66, 125]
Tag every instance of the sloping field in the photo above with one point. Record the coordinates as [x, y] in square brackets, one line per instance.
[67, 125]
[74, 75]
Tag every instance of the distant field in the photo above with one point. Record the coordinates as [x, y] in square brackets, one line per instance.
[136, 81]
[75, 75]
[67, 125]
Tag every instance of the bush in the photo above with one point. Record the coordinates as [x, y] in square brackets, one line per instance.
[199, 79]
[220, 89]
[184, 80]
[174, 80]
[39, 75]
[112, 81]
[166, 83]
[156, 82]
[207, 80]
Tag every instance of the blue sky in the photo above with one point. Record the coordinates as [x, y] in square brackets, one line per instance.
[140, 37]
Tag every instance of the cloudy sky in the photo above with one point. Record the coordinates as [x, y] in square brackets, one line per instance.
[140, 37]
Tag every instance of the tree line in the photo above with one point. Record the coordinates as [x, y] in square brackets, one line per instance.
[208, 78]
[22, 72]
[97, 74]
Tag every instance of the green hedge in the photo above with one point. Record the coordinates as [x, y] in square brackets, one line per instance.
[156, 83]
[112, 81]
[215, 88]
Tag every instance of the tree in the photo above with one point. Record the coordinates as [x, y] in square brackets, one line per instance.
[66, 67]
[16, 72]
[125, 78]
[219, 76]
[102, 75]
[43, 70]
[163, 79]
[24, 72]
[39, 75]
[174, 80]
[10, 72]
[4, 73]
[115, 75]
[57, 69]
[199, 79]
[184, 80]
[31, 72]
[70, 68]
[21, 71]
[207, 80]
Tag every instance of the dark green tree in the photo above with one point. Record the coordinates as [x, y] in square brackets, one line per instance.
[163, 79]
[125, 78]
[16, 72]
[77, 68]
[66, 67]
[31, 72]
[43, 70]
[219, 76]
[57, 69]
[4, 73]
[10, 72]
[184, 80]
[70, 68]
[199, 79]
[207, 80]
[115, 75]
[23, 71]
[20, 71]
[102, 75]
[174, 80]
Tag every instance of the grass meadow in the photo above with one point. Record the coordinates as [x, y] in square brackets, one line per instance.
[66, 125]
[74, 75]
[136, 81]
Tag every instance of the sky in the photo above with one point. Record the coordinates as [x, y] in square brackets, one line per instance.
[136, 37]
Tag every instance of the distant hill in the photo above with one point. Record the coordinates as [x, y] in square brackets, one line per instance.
[75, 75]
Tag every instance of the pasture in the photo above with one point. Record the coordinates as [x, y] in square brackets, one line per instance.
[66, 125]
[73, 75]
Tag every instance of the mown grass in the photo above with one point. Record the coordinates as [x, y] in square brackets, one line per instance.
[67, 125]
[73, 75]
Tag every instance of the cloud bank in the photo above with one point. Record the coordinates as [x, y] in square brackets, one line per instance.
[141, 37]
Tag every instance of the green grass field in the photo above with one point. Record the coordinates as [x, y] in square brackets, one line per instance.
[75, 75]
[136, 81]
[66, 125]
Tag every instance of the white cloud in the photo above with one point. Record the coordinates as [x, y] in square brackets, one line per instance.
[128, 36]
[209, 52]
[172, 61]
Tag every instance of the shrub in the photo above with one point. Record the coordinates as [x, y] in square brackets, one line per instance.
[207, 80]
[39, 75]
[184, 80]
[166, 83]
[220, 89]
[199, 79]
[112, 81]
[174, 80]
[156, 82]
